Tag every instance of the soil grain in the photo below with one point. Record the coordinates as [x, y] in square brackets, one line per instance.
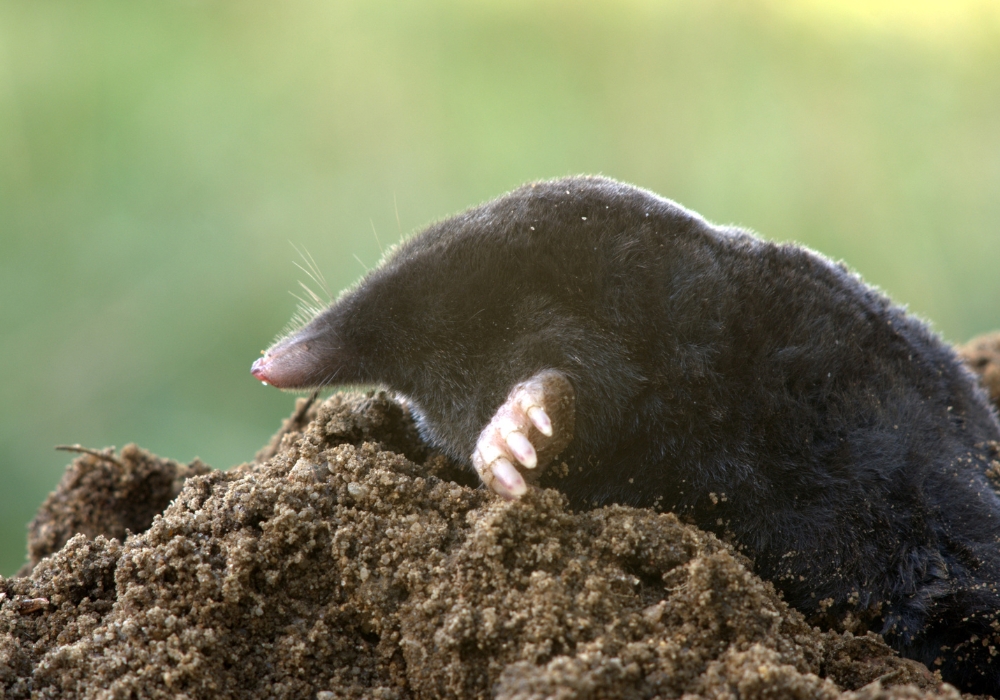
[350, 562]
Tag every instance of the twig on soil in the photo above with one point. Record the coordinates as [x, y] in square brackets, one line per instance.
[93, 453]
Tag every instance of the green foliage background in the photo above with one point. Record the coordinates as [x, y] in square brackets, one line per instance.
[157, 158]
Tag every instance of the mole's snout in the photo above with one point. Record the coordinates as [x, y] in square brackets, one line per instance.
[291, 364]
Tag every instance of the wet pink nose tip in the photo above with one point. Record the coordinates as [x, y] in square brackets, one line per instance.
[258, 369]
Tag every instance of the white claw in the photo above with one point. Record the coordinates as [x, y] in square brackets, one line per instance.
[541, 420]
[522, 449]
[508, 482]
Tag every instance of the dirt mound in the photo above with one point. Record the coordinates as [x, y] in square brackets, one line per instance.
[350, 562]
[337, 566]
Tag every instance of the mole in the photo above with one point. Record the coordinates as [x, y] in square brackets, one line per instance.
[589, 335]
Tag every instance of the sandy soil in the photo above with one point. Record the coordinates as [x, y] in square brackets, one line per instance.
[982, 354]
[349, 562]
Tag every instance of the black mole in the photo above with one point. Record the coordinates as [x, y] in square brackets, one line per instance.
[759, 390]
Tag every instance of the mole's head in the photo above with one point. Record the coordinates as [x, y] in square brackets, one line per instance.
[398, 322]
[487, 297]
[445, 306]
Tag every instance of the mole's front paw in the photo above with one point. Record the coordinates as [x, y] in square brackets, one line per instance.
[530, 428]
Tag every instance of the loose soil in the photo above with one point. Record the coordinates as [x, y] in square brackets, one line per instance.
[348, 561]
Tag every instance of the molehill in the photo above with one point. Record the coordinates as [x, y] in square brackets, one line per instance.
[348, 561]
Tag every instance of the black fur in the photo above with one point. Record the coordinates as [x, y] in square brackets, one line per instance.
[758, 389]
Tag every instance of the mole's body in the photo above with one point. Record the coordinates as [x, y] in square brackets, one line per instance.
[758, 389]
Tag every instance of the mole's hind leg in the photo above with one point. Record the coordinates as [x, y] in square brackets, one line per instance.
[530, 428]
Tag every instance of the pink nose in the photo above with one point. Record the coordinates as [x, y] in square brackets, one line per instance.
[259, 370]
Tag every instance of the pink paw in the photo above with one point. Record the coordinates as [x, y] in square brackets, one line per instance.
[530, 428]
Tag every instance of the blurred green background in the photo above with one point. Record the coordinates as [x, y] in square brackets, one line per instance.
[158, 158]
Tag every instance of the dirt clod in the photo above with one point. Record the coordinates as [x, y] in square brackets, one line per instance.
[982, 355]
[104, 494]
